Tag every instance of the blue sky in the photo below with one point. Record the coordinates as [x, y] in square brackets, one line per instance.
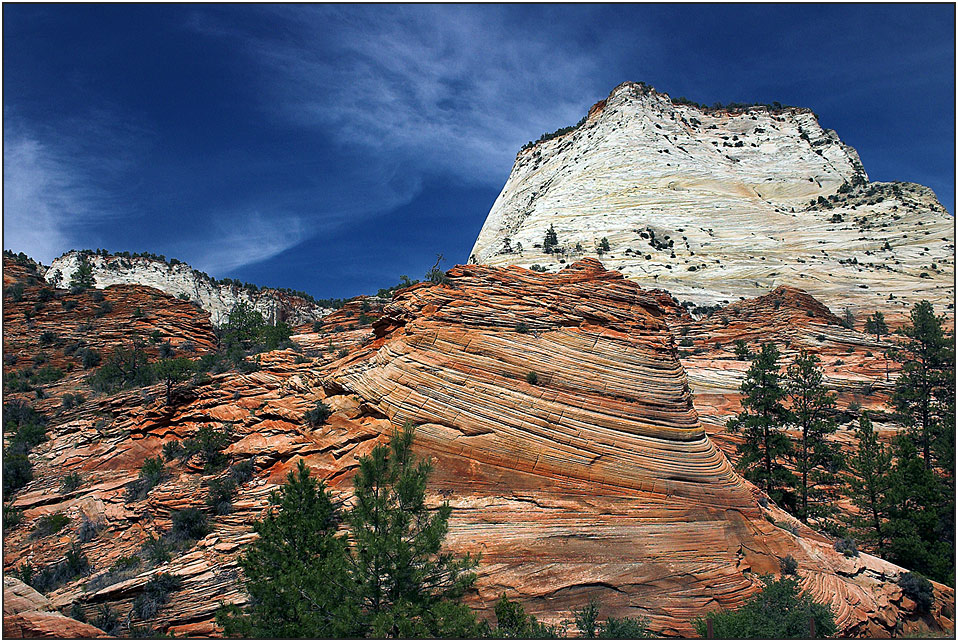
[331, 148]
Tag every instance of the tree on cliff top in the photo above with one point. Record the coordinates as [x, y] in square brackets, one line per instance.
[82, 278]
[761, 421]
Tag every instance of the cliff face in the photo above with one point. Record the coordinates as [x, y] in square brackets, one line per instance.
[596, 480]
[714, 205]
[179, 279]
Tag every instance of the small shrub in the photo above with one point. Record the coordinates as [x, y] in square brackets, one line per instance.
[522, 327]
[15, 292]
[89, 358]
[103, 309]
[152, 473]
[209, 444]
[17, 472]
[47, 338]
[318, 415]
[71, 482]
[532, 378]
[173, 450]
[342, 353]
[243, 471]
[788, 565]
[88, 529]
[155, 594]
[49, 524]
[317, 326]
[918, 589]
[106, 620]
[72, 401]
[96, 296]
[188, 524]
[157, 550]
[68, 304]
[686, 343]
[847, 547]
[220, 496]
[742, 353]
[12, 517]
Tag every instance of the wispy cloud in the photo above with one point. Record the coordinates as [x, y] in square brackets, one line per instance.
[435, 86]
[243, 238]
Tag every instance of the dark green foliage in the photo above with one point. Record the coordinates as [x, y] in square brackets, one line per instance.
[72, 400]
[342, 353]
[363, 319]
[815, 458]
[522, 327]
[89, 358]
[869, 481]
[152, 473]
[47, 338]
[875, 324]
[173, 371]
[762, 422]
[155, 594]
[513, 623]
[157, 549]
[587, 621]
[126, 368]
[17, 472]
[296, 571]
[847, 547]
[317, 326]
[73, 564]
[435, 274]
[559, 132]
[209, 444]
[387, 293]
[103, 309]
[70, 482]
[918, 589]
[604, 245]
[82, 278]
[220, 496]
[173, 450]
[788, 565]
[551, 240]
[397, 564]
[188, 524]
[779, 611]
[15, 292]
[243, 471]
[318, 415]
[532, 378]
[742, 352]
[49, 524]
[12, 517]
[106, 620]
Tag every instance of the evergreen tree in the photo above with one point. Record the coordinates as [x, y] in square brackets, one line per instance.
[779, 611]
[406, 585]
[82, 277]
[869, 480]
[875, 324]
[551, 240]
[296, 571]
[761, 421]
[925, 391]
[173, 371]
[816, 460]
[921, 527]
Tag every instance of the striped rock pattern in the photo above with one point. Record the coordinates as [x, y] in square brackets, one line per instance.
[717, 204]
[598, 480]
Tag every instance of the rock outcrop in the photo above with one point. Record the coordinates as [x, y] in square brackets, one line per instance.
[596, 479]
[717, 204]
[27, 614]
[180, 280]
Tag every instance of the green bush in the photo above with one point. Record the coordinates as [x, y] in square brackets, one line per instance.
[220, 496]
[919, 589]
[788, 565]
[209, 444]
[152, 473]
[522, 327]
[70, 482]
[779, 611]
[188, 524]
[49, 524]
[587, 621]
[318, 415]
[155, 594]
[12, 517]
[532, 378]
[17, 472]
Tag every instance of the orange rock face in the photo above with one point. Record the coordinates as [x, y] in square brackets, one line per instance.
[597, 479]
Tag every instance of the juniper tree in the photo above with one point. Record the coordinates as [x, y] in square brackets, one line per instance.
[810, 403]
[173, 371]
[406, 584]
[761, 421]
[551, 240]
[869, 481]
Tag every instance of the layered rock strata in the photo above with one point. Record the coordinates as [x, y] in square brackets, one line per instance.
[595, 480]
[180, 280]
[717, 204]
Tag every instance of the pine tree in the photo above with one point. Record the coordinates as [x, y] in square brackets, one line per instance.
[83, 278]
[406, 585]
[875, 324]
[924, 393]
[869, 480]
[810, 402]
[761, 422]
[296, 571]
[551, 240]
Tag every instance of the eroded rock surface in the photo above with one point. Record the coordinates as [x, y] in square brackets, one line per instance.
[597, 480]
[717, 204]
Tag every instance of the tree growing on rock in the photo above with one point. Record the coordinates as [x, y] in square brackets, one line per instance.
[551, 240]
[82, 278]
[761, 422]
[869, 482]
[810, 405]
[172, 372]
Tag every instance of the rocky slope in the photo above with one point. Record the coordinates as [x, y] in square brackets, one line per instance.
[717, 204]
[180, 280]
[598, 480]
